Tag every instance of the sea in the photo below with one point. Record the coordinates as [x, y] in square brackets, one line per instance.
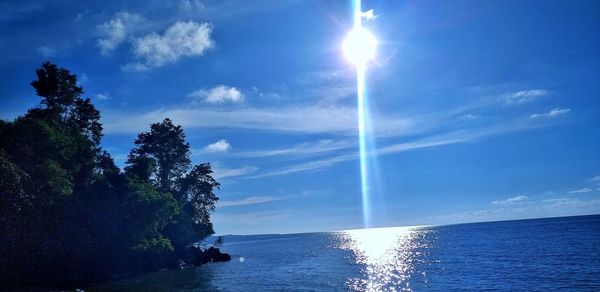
[521, 255]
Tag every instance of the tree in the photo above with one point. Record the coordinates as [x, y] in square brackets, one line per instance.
[197, 192]
[162, 157]
[69, 215]
[164, 145]
[62, 97]
[50, 155]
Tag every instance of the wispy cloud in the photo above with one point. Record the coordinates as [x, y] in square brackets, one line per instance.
[218, 94]
[595, 178]
[182, 39]
[579, 191]
[332, 120]
[81, 15]
[433, 141]
[511, 200]
[291, 119]
[247, 201]
[17, 11]
[219, 146]
[83, 79]
[329, 86]
[551, 114]
[568, 202]
[46, 51]
[251, 218]
[267, 95]
[189, 5]
[553, 207]
[220, 173]
[308, 166]
[102, 96]
[524, 96]
[327, 76]
[117, 30]
[468, 117]
[303, 149]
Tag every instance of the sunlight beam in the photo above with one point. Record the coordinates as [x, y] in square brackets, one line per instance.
[359, 48]
[362, 141]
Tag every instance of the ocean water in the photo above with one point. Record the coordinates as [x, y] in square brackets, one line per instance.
[532, 255]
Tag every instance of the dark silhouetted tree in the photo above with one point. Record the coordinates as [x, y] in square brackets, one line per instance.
[162, 157]
[165, 145]
[69, 215]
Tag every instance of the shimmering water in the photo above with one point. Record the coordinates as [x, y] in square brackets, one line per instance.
[540, 254]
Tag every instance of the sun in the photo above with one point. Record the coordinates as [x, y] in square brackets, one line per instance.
[359, 46]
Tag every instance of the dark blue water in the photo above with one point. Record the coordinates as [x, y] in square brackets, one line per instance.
[540, 254]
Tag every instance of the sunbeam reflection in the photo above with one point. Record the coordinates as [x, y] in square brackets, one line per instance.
[388, 256]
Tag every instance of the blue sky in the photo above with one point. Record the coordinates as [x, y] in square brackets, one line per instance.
[479, 110]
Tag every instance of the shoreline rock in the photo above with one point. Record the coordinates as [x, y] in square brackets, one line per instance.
[196, 256]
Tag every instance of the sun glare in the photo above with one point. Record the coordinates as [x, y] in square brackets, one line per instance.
[359, 46]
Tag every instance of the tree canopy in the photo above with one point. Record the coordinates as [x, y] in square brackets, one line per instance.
[69, 215]
[162, 158]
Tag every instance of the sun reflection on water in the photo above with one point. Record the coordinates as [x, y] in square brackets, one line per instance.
[388, 256]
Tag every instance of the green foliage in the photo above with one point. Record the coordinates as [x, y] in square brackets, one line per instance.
[69, 215]
[62, 97]
[54, 180]
[162, 158]
[164, 145]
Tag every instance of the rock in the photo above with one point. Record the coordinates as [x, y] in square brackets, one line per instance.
[196, 256]
[215, 255]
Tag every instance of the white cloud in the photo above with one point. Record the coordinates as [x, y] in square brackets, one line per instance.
[369, 14]
[596, 178]
[218, 94]
[219, 173]
[524, 96]
[512, 200]
[553, 113]
[219, 146]
[247, 201]
[182, 39]
[117, 30]
[102, 96]
[579, 191]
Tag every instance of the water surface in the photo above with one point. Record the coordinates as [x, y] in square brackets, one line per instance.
[539, 254]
